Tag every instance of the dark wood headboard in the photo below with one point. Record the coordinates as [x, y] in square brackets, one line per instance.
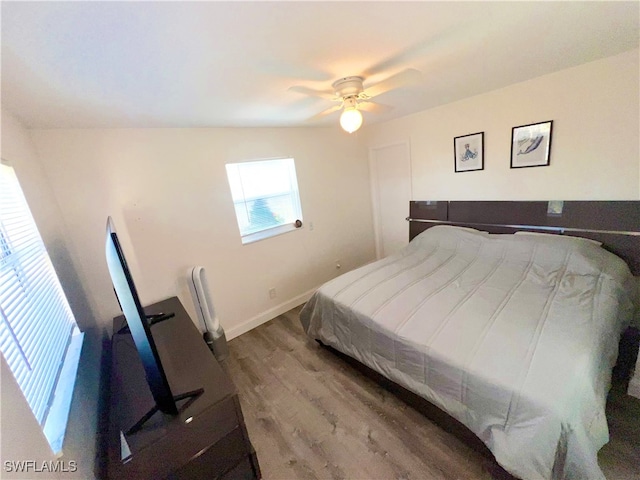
[614, 223]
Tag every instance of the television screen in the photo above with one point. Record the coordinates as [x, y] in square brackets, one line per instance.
[137, 322]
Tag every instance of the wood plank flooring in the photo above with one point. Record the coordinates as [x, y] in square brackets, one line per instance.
[310, 415]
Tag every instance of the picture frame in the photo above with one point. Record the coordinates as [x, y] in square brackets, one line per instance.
[468, 152]
[531, 145]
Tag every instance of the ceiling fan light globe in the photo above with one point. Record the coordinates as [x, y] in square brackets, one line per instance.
[351, 120]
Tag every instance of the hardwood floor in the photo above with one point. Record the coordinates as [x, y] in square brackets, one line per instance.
[311, 415]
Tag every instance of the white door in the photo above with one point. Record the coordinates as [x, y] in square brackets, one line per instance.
[391, 192]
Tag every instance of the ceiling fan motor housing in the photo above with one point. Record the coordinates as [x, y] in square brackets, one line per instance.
[348, 86]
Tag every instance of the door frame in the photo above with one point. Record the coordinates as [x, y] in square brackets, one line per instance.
[375, 189]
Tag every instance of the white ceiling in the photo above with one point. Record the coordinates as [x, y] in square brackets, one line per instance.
[200, 64]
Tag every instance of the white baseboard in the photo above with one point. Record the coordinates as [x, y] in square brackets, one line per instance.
[268, 315]
[634, 386]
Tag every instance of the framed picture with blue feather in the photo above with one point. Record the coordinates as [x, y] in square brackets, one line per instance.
[531, 145]
[468, 152]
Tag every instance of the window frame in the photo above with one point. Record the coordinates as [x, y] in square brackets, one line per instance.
[293, 193]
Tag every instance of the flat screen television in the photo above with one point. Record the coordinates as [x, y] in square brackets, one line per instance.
[139, 327]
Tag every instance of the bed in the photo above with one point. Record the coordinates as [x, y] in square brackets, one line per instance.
[513, 335]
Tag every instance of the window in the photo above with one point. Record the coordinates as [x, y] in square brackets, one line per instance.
[265, 196]
[39, 337]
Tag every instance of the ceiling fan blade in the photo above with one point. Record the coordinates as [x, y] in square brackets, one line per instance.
[326, 94]
[367, 106]
[449, 40]
[326, 112]
[406, 77]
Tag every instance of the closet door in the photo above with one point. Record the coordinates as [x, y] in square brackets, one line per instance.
[391, 192]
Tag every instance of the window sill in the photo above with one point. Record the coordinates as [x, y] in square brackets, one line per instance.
[271, 232]
[56, 422]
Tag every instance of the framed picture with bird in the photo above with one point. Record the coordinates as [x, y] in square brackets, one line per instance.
[531, 145]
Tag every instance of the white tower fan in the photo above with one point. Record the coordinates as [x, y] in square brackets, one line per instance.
[213, 333]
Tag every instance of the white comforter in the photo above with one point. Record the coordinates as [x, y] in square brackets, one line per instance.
[513, 335]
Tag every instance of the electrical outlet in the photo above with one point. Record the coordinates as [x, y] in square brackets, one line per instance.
[272, 293]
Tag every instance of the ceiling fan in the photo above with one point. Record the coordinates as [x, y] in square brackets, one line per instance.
[353, 97]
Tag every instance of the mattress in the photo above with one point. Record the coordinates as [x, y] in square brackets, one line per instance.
[515, 336]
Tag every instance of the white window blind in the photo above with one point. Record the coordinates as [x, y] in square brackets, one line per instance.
[265, 196]
[36, 323]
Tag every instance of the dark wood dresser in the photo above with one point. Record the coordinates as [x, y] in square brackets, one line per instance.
[206, 440]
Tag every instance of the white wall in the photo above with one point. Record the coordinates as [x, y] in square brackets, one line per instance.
[168, 193]
[595, 155]
[22, 437]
